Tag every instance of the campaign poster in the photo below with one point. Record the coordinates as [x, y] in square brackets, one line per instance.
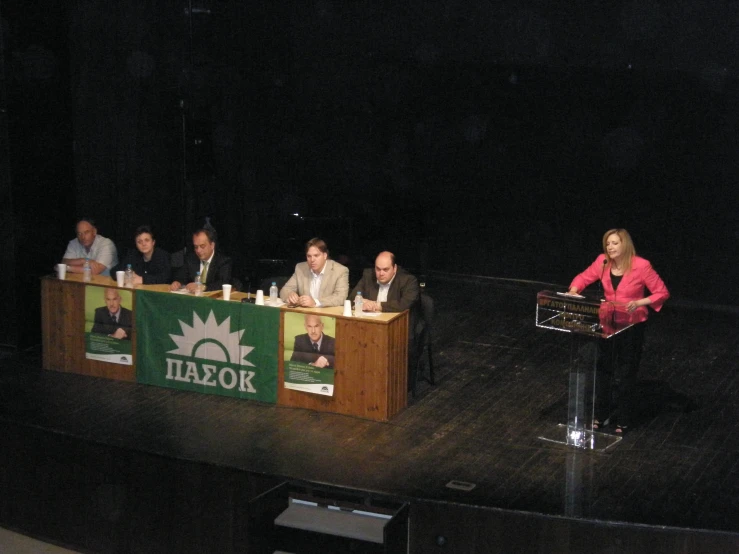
[310, 351]
[108, 325]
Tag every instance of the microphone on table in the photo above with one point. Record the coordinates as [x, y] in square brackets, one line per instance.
[600, 281]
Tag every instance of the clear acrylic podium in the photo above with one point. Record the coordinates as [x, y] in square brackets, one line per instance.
[586, 319]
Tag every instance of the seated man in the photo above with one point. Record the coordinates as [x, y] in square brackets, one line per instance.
[214, 267]
[317, 282]
[387, 288]
[314, 347]
[88, 244]
[113, 319]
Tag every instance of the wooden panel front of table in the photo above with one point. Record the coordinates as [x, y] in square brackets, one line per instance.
[371, 376]
[63, 329]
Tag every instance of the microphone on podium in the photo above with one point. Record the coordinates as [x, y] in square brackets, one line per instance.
[600, 281]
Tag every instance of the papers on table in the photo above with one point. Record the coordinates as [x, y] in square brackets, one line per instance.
[570, 295]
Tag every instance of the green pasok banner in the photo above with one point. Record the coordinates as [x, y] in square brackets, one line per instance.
[207, 345]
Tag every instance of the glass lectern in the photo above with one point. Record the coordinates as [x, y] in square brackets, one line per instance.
[587, 319]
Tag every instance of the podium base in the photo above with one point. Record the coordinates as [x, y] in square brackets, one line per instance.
[577, 437]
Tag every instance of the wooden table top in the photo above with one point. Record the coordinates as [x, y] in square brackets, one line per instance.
[336, 311]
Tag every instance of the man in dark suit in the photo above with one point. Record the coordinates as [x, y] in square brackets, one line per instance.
[214, 267]
[113, 319]
[387, 287]
[314, 347]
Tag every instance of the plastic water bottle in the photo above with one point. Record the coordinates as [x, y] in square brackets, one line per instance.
[198, 285]
[358, 303]
[273, 293]
[128, 277]
[87, 271]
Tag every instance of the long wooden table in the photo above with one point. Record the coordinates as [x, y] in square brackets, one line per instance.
[371, 352]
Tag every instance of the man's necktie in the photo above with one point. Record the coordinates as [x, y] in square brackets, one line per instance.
[315, 347]
[204, 273]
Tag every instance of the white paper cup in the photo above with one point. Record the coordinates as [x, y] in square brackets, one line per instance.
[260, 298]
[120, 277]
[348, 308]
[61, 271]
[227, 292]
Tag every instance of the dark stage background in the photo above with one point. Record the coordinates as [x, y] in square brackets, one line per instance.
[496, 138]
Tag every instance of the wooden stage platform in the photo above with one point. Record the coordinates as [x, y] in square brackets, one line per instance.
[107, 466]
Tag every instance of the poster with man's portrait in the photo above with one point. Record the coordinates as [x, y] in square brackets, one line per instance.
[310, 351]
[108, 324]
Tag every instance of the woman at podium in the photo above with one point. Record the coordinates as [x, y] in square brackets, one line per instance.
[630, 284]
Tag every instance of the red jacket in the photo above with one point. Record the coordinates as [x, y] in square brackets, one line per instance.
[632, 286]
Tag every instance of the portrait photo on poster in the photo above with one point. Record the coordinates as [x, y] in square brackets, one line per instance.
[310, 352]
[108, 324]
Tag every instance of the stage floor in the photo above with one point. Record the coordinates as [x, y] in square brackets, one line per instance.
[500, 383]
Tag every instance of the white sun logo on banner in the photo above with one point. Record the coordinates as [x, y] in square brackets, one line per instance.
[210, 341]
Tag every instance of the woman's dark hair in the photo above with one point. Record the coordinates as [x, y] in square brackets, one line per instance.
[144, 229]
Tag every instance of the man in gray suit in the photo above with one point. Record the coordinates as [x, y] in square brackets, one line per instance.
[317, 282]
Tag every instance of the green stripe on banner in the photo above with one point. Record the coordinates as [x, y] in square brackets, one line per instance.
[206, 345]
